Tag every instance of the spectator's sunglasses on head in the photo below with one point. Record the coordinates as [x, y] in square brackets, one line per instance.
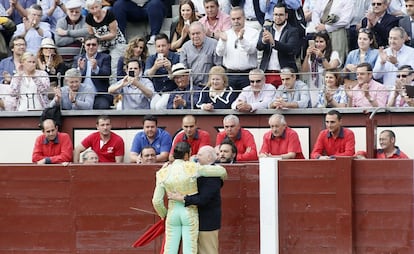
[364, 30]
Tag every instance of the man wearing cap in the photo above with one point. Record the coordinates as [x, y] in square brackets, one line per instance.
[184, 96]
[70, 31]
[199, 54]
[74, 94]
[33, 29]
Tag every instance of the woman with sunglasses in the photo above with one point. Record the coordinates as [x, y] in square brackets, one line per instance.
[333, 94]
[136, 49]
[366, 52]
[319, 57]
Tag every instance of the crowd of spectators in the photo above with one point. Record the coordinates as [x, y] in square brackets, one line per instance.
[365, 44]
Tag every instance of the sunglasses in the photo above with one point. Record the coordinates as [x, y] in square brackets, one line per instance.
[364, 30]
[376, 4]
[255, 81]
[91, 44]
[401, 75]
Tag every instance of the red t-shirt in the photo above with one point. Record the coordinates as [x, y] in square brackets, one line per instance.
[114, 147]
[397, 155]
[288, 142]
[201, 138]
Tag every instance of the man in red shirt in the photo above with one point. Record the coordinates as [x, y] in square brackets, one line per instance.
[281, 141]
[107, 145]
[192, 135]
[388, 148]
[52, 146]
[335, 140]
[242, 139]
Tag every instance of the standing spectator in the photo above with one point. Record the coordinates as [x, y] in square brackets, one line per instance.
[281, 141]
[215, 21]
[107, 145]
[29, 87]
[242, 138]
[136, 49]
[33, 29]
[52, 146]
[191, 134]
[368, 92]
[333, 94]
[10, 65]
[237, 46]
[49, 60]
[180, 29]
[102, 24]
[257, 95]
[280, 44]
[405, 22]
[254, 12]
[379, 21]
[216, 94]
[89, 157]
[71, 31]
[199, 54]
[335, 140]
[136, 91]
[74, 95]
[16, 9]
[395, 55]
[319, 57]
[227, 152]
[148, 155]
[359, 10]
[139, 11]
[292, 93]
[96, 67]
[151, 136]
[184, 96]
[53, 10]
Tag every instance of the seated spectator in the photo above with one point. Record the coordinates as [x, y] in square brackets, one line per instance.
[10, 65]
[215, 21]
[136, 49]
[106, 144]
[388, 148]
[29, 87]
[366, 52]
[227, 152]
[53, 10]
[74, 95]
[50, 61]
[71, 31]
[257, 95]
[368, 92]
[292, 93]
[242, 138]
[379, 21]
[319, 57]
[335, 140]
[102, 24]
[216, 94]
[281, 141]
[140, 11]
[96, 68]
[148, 155]
[151, 136]
[33, 29]
[136, 91]
[397, 54]
[405, 22]
[333, 94]
[192, 135]
[184, 96]
[398, 96]
[52, 146]
[89, 157]
[180, 29]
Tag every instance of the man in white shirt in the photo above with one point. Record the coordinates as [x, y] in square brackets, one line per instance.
[237, 46]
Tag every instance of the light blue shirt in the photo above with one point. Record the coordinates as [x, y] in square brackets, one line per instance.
[353, 58]
[133, 98]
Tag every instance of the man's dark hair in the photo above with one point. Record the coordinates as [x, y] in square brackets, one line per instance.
[335, 112]
[42, 127]
[134, 59]
[162, 36]
[181, 149]
[15, 38]
[102, 117]
[280, 5]
[367, 65]
[391, 134]
[91, 37]
[148, 147]
[406, 67]
[150, 118]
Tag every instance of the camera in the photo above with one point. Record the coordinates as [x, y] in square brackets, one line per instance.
[131, 73]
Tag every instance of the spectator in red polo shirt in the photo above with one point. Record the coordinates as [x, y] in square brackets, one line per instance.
[52, 146]
[281, 141]
[388, 148]
[242, 138]
[190, 134]
[335, 140]
[107, 145]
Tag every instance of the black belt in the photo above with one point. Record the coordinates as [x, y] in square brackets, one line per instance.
[251, 19]
[272, 71]
[238, 71]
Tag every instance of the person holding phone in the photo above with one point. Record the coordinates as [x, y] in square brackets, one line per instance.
[136, 91]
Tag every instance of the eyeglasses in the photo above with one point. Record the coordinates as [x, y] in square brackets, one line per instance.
[278, 14]
[376, 4]
[402, 75]
[91, 45]
[255, 81]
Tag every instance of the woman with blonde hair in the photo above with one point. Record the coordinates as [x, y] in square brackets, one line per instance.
[136, 49]
[29, 87]
[180, 29]
[217, 94]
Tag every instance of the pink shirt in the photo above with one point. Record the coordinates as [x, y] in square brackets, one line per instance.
[222, 23]
[377, 91]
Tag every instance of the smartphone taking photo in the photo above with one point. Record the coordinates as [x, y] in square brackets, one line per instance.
[131, 74]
